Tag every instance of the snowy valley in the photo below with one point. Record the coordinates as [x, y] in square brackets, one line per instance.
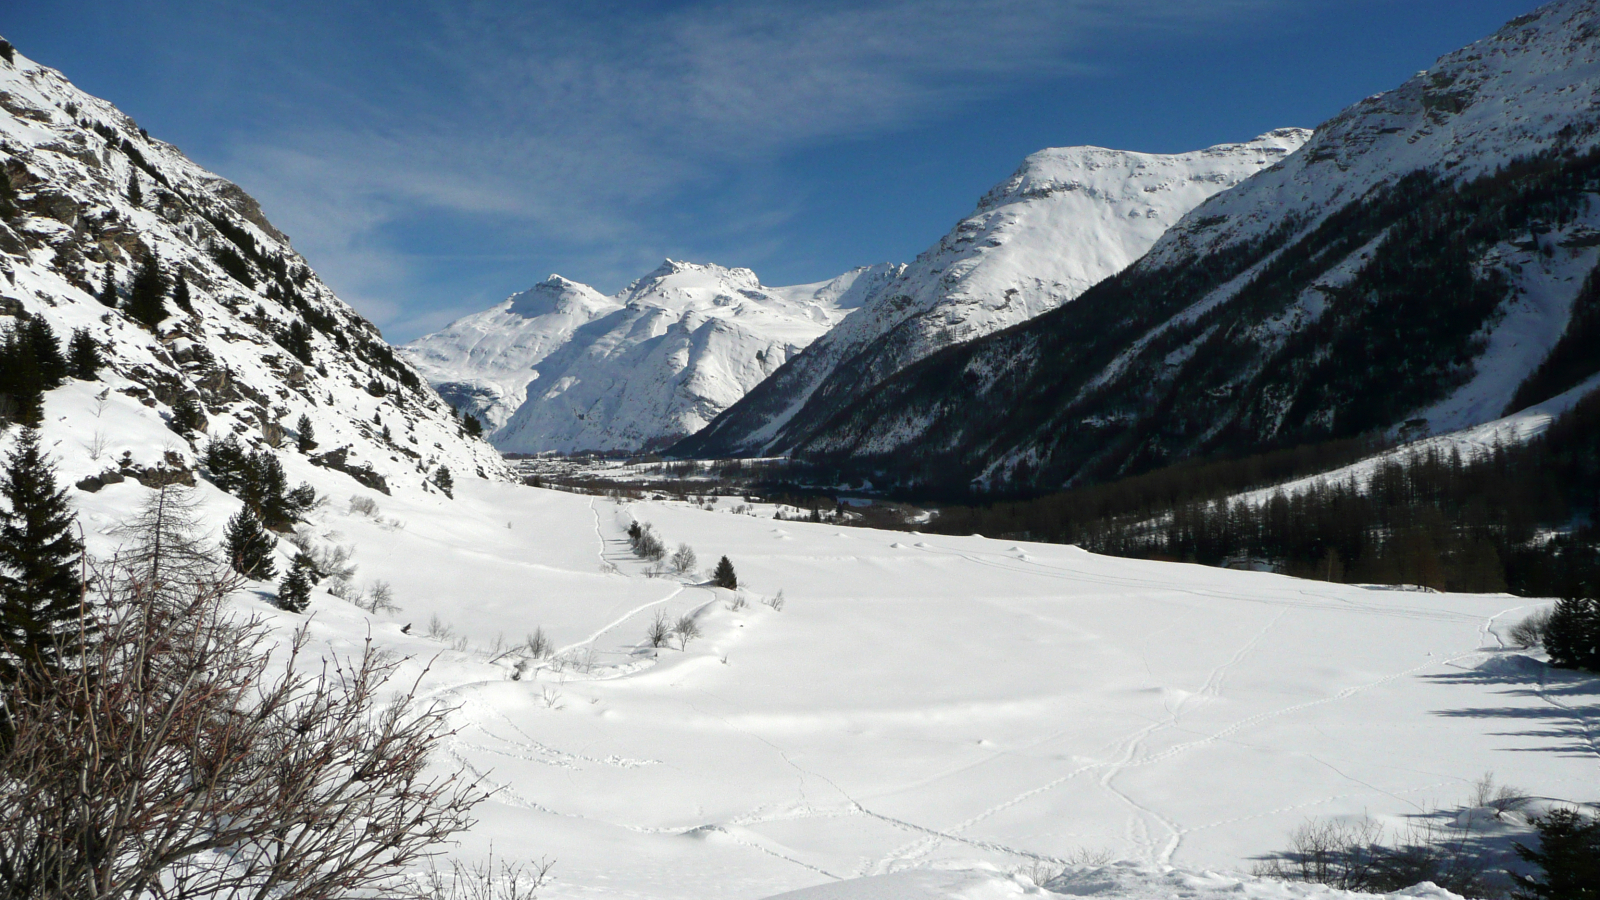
[690, 698]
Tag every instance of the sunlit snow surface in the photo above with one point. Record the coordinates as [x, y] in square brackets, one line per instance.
[922, 701]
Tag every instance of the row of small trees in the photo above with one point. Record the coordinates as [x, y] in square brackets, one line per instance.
[648, 545]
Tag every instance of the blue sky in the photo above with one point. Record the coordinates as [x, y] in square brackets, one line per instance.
[430, 159]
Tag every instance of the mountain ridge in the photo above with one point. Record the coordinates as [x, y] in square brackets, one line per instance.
[1065, 219]
[1410, 266]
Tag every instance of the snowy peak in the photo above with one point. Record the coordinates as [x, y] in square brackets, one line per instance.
[1409, 271]
[562, 367]
[1067, 218]
[557, 295]
[482, 363]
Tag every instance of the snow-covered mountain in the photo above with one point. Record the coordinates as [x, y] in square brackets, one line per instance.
[561, 367]
[86, 197]
[1067, 218]
[1426, 261]
[483, 363]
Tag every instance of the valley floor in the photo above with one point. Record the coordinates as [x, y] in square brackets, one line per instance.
[924, 702]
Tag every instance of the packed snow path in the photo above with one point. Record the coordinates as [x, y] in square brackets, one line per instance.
[926, 700]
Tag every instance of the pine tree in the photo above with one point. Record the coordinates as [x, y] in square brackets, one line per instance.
[83, 355]
[265, 488]
[40, 583]
[1573, 636]
[46, 352]
[108, 288]
[444, 481]
[135, 196]
[1569, 854]
[187, 415]
[305, 437]
[21, 384]
[249, 546]
[294, 591]
[226, 462]
[723, 576]
[180, 293]
[473, 426]
[146, 297]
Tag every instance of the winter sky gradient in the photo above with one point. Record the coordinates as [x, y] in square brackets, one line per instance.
[431, 158]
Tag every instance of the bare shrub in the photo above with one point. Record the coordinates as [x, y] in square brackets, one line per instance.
[1499, 797]
[439, 630]
[327, 560]
[687, 629]
[659, 631]
[178, 759]
[1338, 854]
[775, 601]
[683, 560]
[1360, 856]
[738, 602]
[485, 881]
[644, 541]
[378, 598]
[363, 506]
[538, 644]
[1530, 632]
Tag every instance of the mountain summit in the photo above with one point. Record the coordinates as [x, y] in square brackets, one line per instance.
[1067, 218]
[1426, 262]
[562, 367]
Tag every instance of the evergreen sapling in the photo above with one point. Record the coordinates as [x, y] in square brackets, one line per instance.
[40, 582]
[146, 297]
[294, 591]
[83, 355]
[249, 546]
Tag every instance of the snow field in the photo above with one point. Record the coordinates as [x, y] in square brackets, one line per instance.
[928, 701]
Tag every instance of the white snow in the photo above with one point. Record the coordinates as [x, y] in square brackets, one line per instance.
[1067, 218]
[940, 709]
[561, 367]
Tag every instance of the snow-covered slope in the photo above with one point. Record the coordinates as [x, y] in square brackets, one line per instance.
[1067, 218]
[482, 363]
[72, 163]
[923, 702]
[651, 364]
[1411, 266]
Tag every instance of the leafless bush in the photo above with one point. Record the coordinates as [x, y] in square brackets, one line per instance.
[328, 561]
[645, 542]
[687, 629]
[538, 644]
[738, 602]
[363, 506]
[177, 759]
[1359, 856]
[659, 631]
[775, 601]
[1499, 797]
[440, 630]
[378, 598]
[683, 560]
[1530, 631]
[484, 881]
[1341, 855]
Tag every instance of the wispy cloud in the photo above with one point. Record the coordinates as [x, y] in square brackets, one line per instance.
[576, 125]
